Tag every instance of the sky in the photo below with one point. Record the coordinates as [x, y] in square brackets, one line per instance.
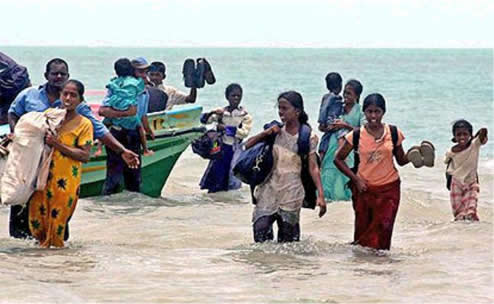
[248, 23]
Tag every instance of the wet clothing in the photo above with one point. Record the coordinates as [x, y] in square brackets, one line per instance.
[282, 194]
[333, 181]
[116, 169]
[375, 213]
[219, 173]
[36, 100]
[462, 166]
[376, 208]
[464, 198]
[51, 208]
[287, 230]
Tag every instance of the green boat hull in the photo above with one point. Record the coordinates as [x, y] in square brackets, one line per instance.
[174, 131]
[155, 168]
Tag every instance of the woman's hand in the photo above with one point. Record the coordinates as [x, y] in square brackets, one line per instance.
[361, 184]
[321, 203]
[218, 111]
[339, 124]
[51, 140]
[275, 129]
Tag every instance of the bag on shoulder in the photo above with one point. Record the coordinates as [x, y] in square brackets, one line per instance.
[310, 188]
[256, 163]
[208, 146]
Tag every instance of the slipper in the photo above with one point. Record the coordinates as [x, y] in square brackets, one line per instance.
[415, 157]
[428, 153]
[199, 80]
[208, 74]
[188, 71]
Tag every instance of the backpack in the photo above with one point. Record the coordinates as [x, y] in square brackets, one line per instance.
[13, 79]
[356, 140]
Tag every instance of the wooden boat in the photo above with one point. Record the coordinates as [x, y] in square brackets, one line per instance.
[174, 130]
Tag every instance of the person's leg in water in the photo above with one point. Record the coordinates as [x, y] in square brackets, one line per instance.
[287, 231]
[19, 222]
[263, 228]
[132, 177]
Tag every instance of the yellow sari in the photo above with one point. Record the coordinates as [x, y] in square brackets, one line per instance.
[50, 208]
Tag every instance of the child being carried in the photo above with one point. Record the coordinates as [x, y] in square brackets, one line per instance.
[123, 91]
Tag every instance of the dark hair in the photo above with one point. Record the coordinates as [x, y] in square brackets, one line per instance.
[296, 100]
[157, 66]
[123, 67]
[356, 86]
[333, 81]
[56, 61]
[231, 87]
[78, 85]
[461, 124]
[375, 99]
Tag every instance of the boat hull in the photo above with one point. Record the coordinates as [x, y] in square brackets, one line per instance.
[155, 168]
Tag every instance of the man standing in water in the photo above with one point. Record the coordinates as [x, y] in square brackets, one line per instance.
[48, 96]
[116, 169]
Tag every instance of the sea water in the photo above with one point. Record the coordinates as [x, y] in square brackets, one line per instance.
[194, 247]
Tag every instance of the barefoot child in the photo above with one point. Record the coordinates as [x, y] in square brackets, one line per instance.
[462, 161]
[123, 92]
[330, 110]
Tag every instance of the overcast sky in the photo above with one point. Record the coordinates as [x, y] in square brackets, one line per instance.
[303, 23]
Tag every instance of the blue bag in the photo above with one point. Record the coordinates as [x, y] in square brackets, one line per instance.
[255, 164]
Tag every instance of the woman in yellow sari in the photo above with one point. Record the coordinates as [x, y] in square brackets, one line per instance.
[50, 209]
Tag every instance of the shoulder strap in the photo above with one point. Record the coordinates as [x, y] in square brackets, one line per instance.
[394, 137]
[303, 141]
[355, 143]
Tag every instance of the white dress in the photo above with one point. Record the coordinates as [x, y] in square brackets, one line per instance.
[283, 189]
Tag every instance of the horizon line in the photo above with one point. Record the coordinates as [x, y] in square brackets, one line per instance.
[281, 46]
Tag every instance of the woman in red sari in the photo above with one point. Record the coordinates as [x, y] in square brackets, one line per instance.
[376, 183]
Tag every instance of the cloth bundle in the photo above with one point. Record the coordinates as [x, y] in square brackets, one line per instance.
[28, 162]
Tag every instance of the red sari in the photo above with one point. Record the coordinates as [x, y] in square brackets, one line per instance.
[375, 213]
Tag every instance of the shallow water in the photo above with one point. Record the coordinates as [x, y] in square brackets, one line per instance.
[194, 247]
[191, 247]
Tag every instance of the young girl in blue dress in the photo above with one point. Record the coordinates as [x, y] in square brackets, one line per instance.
[235, 123]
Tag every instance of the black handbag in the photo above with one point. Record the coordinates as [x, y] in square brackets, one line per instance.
[208, 146]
